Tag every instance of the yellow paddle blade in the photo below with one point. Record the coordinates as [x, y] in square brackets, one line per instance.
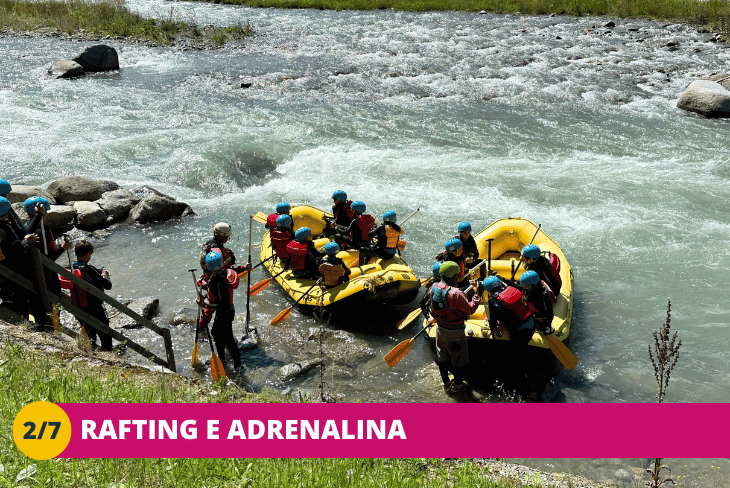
[195, 360]
[282, 315]
[243, 273]
[351, 261]
[56, 319]
[561, 351]
[408, 319]
[399, 352]
[216, 368]
[258, 287]
[260, 217]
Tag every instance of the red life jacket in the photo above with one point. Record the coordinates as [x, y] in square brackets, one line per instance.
[271, 221]
[298, 252]
[440, 308]
[78, 295]
[511, 298]
[232, 280]
[365, 224]
[280, 240]
[555, 267]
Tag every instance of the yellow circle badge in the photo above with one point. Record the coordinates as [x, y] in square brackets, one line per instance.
[42, 430]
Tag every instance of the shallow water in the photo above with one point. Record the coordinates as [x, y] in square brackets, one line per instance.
[467, 117]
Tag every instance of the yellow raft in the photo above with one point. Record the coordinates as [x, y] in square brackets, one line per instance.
[510, 236]
[380, 281]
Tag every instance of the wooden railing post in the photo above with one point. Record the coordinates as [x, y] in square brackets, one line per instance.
[40, 288]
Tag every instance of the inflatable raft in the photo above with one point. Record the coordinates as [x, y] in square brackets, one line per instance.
[380, 281]
[510, 236]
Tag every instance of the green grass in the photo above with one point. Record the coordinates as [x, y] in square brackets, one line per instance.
[28, 377]
[110, 18]
[713, 14]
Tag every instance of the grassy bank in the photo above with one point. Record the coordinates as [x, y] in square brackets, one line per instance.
[109, 18]
[714, 14]
[32, 376]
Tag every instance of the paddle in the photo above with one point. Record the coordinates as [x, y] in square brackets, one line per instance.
[561, 351]
[285, 313]
[195, 359]
[216, 365]
[260, 217]
[245, 272]
[400, 351]
[411, 215]
[514, 271]
[262, 284]
[248, 285]
[412, 316]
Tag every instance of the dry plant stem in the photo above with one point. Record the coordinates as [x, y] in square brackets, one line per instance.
[666, 354]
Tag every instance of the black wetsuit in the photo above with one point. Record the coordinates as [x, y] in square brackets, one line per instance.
[94, 306]
[222, 331]
[542, 267]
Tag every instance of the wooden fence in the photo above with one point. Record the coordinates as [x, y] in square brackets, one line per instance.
[37, 287]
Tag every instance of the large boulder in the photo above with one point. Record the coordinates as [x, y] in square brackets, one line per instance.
[98, 58]
[65, 68]
[706, 97]
[89, 215]
[21, 192]
[60, 216]
[147, 307]
[158, 209]
[76, 188]
[114, 207]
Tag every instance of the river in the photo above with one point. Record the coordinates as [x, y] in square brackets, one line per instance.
[560, 120]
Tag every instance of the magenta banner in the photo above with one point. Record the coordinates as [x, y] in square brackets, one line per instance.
[394, 430]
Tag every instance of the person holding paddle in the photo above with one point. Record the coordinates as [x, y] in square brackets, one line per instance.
[547, 269]
[387, 235]
[333, 269]
[280, 237]
[450, 307]
[221, 235]
[221, 284]
[454, 251]
[304, 255]
[471, 251]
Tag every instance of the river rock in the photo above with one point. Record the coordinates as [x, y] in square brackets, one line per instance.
[121, 194]
[158, 209]
[115, 208]
[98, 58]
[22, 192]
[146, 307]
[707, 98]
[79, 188]
[338, 346]
[89, 215]
[182, 319]
[60, 216]
[66, 68]
[293, 370]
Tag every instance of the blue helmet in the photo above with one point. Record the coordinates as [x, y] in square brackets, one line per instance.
[389, 216]
[340, 195]
[529, 278]
[331, 248]
[464, 226]
[30, 204]
[492, 284]
[213, 261]
[4, 206]
[453, 244]
[5, 187]
[301, 234]
[435, 269]
[283, 208]
[283, 221]
[531, 251]
[358, 207]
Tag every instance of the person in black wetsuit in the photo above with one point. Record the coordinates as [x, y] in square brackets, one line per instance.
[221, 284]
[87, 302]
[471, 251]
[535, 261]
